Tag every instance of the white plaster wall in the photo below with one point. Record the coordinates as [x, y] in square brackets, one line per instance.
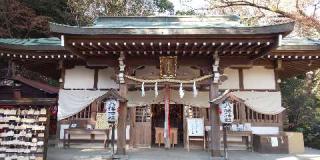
[258, 77]
[79, 77]
[233, 79]
[183, 72]
[149, 72]
[186, 72]
[106, 79]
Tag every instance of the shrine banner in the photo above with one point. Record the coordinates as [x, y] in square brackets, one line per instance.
[226, 112]
[167, 117]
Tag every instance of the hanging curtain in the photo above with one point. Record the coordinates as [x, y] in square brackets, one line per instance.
[72, 102]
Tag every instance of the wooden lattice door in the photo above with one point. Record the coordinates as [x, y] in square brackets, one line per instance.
[142, 127]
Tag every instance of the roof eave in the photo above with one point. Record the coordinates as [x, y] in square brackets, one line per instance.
[284, 29]
[32, 47]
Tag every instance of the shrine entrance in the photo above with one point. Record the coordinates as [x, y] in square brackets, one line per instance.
[176, 121]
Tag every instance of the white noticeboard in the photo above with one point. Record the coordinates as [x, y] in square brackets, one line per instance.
[226, 112]
[111, 107]
[195, 126]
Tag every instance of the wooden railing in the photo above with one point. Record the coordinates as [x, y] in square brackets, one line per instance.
[36, 76]
[243, 114]
[85, 114]
[89, 112]
[23, 72]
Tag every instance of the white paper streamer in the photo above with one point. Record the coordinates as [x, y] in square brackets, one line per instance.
[156, 93]
[195, 91]
[181, 91]
[143, 93]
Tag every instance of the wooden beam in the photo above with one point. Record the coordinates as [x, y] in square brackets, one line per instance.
[109, 61]
[262, 53]
[75, 52]
[29, 101]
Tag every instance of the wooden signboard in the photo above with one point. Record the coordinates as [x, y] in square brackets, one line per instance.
[195, 126]
[195, 131]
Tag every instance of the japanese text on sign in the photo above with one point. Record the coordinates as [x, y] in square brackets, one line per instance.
[226, 112]
[111, 107]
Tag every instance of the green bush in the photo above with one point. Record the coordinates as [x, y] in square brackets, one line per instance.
[302, 108]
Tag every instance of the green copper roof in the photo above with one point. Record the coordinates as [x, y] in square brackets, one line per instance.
[301, 41]
[53, 41]
[171, 25]
[167, 22]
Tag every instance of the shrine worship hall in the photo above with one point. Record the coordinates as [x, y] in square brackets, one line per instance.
[196, 83]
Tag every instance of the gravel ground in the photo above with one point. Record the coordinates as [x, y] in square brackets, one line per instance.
[96, 152]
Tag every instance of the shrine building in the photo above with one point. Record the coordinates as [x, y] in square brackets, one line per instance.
[169, 74]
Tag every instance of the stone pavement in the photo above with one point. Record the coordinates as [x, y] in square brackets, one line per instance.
[182, 154]
[96, 152]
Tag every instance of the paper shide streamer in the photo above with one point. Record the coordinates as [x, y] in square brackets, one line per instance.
[143, 93]
[195, 91]
[181, 91]
[156, 93]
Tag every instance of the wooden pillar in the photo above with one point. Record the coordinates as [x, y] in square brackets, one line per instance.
[276, 77]
[12, 68]
[281, 118]
[241, 84]
[277, 69]
[61, 67]
[94, 109]
[215, 135]
[62, 73]
[242, 109]
[121, 128]
[185, 127]
[96, 77]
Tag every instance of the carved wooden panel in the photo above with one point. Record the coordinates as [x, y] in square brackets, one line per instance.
[168, 67]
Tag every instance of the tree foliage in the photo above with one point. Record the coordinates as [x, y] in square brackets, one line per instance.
[57, 10]
[302, 107]
[189, 12]
[86, 11]
[18, 20]
[29, 18]
[304, 12]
